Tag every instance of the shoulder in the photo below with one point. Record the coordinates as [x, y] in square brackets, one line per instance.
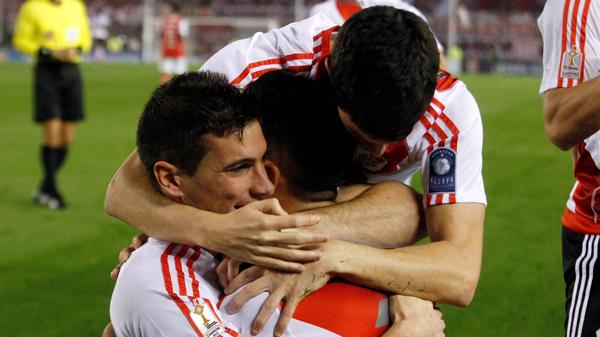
[454, 101]
[142, 270]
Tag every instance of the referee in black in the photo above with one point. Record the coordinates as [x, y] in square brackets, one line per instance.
[55, 33]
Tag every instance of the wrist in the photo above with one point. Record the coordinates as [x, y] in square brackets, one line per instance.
[334, 253]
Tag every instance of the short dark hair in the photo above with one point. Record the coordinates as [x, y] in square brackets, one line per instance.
[305, 137]
[383, 69]
[181, 112]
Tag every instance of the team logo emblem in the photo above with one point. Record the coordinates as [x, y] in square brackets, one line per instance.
[368, 161]
[442, 168]
[571, 63]
[206, 319]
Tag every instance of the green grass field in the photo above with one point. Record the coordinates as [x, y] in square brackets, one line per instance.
[54, 269]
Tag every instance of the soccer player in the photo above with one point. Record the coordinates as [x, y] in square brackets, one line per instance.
[174, 29]
[55, 33]
[167, 289]
[383, 69]
[570, 86]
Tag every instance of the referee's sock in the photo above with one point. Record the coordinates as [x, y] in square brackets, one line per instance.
[61, 155]
[50, 162]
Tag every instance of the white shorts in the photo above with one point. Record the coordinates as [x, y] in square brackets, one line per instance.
[174, 65]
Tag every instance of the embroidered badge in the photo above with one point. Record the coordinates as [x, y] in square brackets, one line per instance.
[205, 319]
[571, 61]
[368, 162]
[442, 168]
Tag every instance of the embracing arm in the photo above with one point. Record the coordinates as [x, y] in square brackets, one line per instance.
[386, 215]
[572, 114]
[444, 271]
[251, 233]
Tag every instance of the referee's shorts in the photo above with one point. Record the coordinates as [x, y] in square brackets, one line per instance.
[58, 92]
[581, 268]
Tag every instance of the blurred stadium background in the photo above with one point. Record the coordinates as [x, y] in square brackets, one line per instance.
[54, 269]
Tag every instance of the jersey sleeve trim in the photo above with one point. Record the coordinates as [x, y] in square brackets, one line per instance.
[570, 34]
[164, 260]
[439, 132]
[297, 62]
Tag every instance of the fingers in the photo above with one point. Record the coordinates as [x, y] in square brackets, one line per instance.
[115, 272]
[293, 221]
[233, 269]
[109, 331]
[286, 316]
[246, 294]
[267, 309]
[274, 263]
[269, 206]
[290, 254]
[222, 272]
[123, 256]
[249, 275]
[292, 238]
[139, 240]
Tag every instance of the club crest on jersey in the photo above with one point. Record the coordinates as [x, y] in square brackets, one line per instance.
[571, 62]
[205, 319]
[368, 162]
[442, 168]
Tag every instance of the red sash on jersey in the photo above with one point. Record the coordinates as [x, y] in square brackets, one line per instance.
[346, 309]
[586, 218]
[172, 41]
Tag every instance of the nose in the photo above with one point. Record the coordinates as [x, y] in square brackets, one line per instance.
[262, 186]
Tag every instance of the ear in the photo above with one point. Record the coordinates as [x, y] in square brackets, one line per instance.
[168, 177]
[273, 172]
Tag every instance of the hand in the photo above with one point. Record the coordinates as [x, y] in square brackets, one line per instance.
[124, 254]
[414, 317]
[291, 288]
[254, 234]
[68, 55]
[227, 270]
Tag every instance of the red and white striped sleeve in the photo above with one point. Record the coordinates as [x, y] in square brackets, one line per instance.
[162, 292]
[298, 47]
[570, 30]
[451, 149]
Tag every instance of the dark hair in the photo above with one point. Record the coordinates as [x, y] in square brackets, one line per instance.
[383, 69]
[305, 137]
[181, 112]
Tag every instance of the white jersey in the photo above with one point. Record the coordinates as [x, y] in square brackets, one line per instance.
[334, 9]
[167, 290]
[571, 33]
[446, 144]
[340, 11]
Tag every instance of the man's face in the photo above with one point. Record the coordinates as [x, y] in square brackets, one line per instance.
[232, 173]
[374, 145]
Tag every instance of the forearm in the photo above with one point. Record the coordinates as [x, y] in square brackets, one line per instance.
[386, 215]
[131, 198]
[433, 271]
[572, 114]
[445, 270]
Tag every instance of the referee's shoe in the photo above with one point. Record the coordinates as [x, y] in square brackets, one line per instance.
[52, 201]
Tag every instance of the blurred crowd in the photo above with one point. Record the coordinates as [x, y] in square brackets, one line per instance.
[492, 34]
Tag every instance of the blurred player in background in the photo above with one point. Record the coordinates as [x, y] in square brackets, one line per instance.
[570, 85]
[174, 29]
[55, 33]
